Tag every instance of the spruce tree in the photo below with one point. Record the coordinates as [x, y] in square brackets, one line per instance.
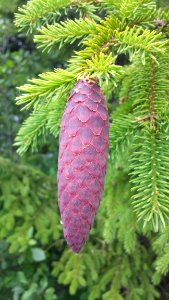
[139, 125]
[138, 158]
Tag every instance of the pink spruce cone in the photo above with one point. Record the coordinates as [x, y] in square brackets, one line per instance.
[82, 161]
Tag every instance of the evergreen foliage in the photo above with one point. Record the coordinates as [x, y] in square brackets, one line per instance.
[117, 262]
[38, 12]
[65, 32]
[121, 260]
[138, 126]
[29, 220]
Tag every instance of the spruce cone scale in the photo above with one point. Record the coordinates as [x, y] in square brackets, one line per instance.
[82, 161]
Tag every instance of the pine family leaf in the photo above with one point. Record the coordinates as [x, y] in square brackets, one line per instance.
[150, 177]
[34, 10]
[122, 128]
[162, 263]
[44, 87]
[143, 102]
[77, 268]
[55, 112]
[135, 40]
[45, 119]
[161, 247]
[139, 126]
[111, 4]
[64, 32]
[105, 31]
[149, 158]
[34, 211]
[103, 66]
[161, 241]
[41, 12]
[133, 12]
[32, 127]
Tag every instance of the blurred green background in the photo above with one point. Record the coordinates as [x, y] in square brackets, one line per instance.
[34, 260]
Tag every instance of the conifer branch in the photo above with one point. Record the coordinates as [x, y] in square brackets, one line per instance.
[150, 177]
[44, 87]
[132, 40]
[45, 119]
[64, 32]
[162, 264]
[135, 40]
[157, 77]
[55, 112]
[105, 34]
[29, 14]
[39, 12]
[136, 11]
[121, 132]
[121, 129]
[99, 66]
[139, 126]
[110, 4]
[161, 247]
[31, 129]
[51, 82]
